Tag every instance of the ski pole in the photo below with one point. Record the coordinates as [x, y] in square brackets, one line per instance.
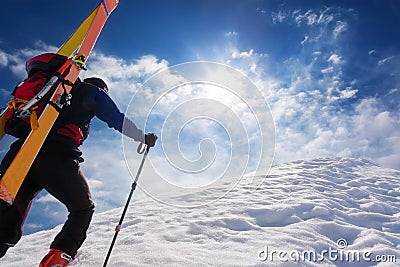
[142, 149]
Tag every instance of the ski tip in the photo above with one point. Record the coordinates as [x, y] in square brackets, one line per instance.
[109, 5]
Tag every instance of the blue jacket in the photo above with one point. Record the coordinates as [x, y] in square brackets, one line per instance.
[89, 101]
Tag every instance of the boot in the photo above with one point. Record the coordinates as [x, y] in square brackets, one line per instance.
[56, 258]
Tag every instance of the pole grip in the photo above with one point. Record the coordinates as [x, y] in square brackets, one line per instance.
[142, 147]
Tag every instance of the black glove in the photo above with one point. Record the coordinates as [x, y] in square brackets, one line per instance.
[150, 139]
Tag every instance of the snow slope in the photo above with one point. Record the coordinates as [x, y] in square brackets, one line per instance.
[303, 209]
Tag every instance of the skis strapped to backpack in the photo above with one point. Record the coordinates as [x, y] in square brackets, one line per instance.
[76, 50]
[31, 95]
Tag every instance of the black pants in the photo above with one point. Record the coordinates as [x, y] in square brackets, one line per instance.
[55, 169]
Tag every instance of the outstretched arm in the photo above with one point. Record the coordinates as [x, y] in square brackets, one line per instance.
[107, 111]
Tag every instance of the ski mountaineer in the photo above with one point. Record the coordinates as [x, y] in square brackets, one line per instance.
[56, 169]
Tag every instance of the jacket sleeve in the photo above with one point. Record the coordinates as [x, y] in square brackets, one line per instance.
[107, 111]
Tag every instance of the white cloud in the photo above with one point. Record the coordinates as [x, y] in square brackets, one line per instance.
[317, 53]
[244, 54]
[16, 61]
[123, 77]
[47, 199]
[279, 17]
[306, 37]
[310, 121]
[312, 17]
[3, 59]
[335, 59]
[341, 27]
[385, 60]
[348, 93]
[327, 70]
[328, 134]
[309, 18]
[321, 24]
[261, 10]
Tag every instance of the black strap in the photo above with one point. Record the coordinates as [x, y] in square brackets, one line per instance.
[54, 106]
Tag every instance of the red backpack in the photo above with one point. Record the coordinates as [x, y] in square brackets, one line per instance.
[40, 69]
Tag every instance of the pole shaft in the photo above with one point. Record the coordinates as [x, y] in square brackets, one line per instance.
[133, 187]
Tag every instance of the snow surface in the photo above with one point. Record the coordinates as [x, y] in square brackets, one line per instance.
[302, 207]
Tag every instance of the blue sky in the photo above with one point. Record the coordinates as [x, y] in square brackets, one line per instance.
[329, 71]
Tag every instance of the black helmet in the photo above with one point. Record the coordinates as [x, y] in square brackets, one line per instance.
[96, 82]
